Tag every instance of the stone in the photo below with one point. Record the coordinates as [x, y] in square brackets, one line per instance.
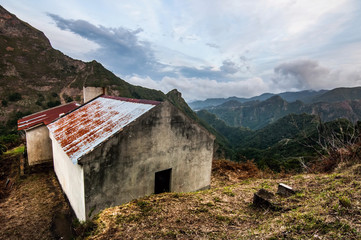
[263, 198]
[285, 190]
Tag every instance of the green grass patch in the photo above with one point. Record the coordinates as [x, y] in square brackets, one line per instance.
[17, 150]
[228, 191]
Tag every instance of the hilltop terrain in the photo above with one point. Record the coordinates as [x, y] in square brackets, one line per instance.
[325, 206]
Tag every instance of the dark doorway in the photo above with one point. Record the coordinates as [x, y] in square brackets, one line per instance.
[162, 181]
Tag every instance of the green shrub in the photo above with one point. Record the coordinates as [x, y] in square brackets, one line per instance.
[51, 104]
[15, 97]
[4, 103]
[10, 140]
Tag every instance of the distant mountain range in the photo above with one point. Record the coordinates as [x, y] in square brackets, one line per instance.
[258, 114]
[307, 96]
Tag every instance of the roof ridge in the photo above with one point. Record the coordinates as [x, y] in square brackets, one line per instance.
[134, 100]
[45, 116]
[49, 109]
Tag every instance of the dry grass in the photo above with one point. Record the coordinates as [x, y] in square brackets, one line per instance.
[28, 209]
[326, 206]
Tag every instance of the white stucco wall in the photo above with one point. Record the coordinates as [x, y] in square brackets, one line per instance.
[92, 92]
[38, 145]
[71, 179]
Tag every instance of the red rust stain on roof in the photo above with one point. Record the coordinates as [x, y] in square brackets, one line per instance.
[88, 126]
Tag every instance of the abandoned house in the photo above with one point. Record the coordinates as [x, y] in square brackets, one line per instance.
[38, 143]
[112, 150]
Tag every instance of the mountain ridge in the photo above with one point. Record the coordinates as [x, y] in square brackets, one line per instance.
[257, 114]
[304, 96]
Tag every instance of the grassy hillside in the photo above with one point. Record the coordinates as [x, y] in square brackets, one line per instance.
[288, 127]
[288, 143]
[232, 135]
[325, 206]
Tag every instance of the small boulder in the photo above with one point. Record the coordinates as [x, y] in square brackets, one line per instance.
[285, 190]
[263, 198]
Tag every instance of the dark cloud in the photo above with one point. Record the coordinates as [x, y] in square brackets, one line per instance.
[229, 67]
[204, 72]
[123, 52]
[301, 74]
[120, 48]
[212, 45]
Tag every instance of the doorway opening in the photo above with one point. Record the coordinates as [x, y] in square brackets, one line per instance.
[162, 181]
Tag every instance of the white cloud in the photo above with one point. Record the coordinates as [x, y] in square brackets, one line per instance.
[200, 88]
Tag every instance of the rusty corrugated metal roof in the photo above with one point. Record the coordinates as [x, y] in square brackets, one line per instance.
[82, 130]
[46, 116]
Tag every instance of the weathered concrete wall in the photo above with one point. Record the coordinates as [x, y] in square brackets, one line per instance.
[38, 145]
[71, 179]
[123, 168]
[92, 92]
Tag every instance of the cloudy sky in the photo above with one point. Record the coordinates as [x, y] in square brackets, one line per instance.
[209, 48]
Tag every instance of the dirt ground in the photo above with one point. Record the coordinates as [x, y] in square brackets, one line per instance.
[32, 206]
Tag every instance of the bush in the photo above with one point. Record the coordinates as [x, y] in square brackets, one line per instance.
[13, 121]
[41, 97]
[2, 149]
[4, 103]
[67, 98]
[51, 104]
[15, 97]
[10, 140]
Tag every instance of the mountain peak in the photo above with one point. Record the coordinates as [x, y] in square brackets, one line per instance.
[175, 92]
[43, 77]
[275, 99]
